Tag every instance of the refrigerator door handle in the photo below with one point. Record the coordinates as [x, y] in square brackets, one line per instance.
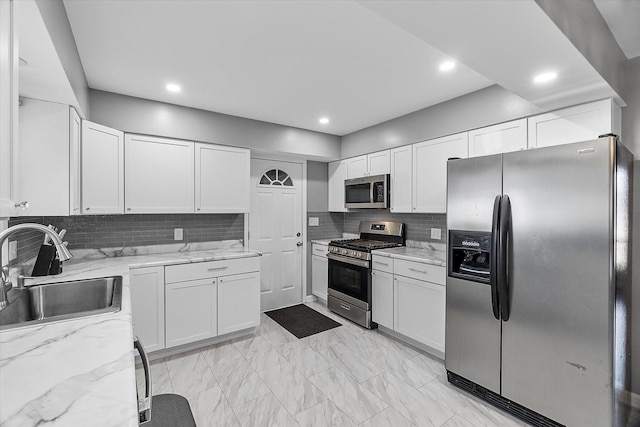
[495, 253]
[503, 261]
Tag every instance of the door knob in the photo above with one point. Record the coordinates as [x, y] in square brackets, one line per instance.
[298, 234]
[299, 244]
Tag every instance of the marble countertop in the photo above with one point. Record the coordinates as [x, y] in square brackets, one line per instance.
[324, 242]
[427, 254]
[81, 371]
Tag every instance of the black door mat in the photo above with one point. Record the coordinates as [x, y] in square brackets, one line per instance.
[301, 320]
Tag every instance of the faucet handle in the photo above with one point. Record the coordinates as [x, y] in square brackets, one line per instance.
[6, 280]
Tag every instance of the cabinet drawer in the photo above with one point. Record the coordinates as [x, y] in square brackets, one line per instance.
[203, 270]
[417, 270]
[382, 263]
[320, 250]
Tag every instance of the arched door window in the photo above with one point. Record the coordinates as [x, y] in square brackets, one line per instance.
[276, 177]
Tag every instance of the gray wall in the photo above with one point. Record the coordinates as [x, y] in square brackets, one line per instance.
[317, 187]
[55, 18]
[481, 108]
[143, 116]
[631, 138]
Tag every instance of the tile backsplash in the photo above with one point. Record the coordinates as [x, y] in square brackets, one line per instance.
[100, 231]
[418, 226]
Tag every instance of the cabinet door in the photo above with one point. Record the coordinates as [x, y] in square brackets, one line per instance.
[382, 298]
[42, 172]
[102, 169]
[319, 276]
[147, 306]
[191, 311]
[574, 124]
[337, 175]
[8, 107]
[238, 302]
[75, 132]
[357, 167]
[159, 175]
[430, 171]
[379, 163]
[222, 179]
[401, 179]
[502, 138]
[419, 309]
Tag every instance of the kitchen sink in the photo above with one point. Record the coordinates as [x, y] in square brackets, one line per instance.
[51, 302]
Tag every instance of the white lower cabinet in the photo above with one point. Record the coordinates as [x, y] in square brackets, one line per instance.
[147, 306]
[182, 304]
[191, 309]
[408, 297]
[419, 308]
[319, 271]
[382, 298]
[238, 302]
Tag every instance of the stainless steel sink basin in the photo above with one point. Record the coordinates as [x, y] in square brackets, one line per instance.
[51, 302]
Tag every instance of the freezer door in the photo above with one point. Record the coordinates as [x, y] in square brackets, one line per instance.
[557, 342]
[472, 334]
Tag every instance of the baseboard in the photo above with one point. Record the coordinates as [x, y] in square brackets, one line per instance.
[634, 400]
[416, 344]
[310, 298]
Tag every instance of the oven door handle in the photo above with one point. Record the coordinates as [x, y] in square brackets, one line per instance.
[347, 260]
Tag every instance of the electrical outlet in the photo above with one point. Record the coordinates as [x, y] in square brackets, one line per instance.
[13, 250]
[314, 221]
[178, 234]
[436, 233]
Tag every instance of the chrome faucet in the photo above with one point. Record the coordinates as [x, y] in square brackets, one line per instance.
[5, 281]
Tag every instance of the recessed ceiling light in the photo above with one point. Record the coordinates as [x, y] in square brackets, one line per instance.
[545, 77]
[447, 66]
[172, 87]
[323, 120]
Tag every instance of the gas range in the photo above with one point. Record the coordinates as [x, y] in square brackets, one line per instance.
[359, 248]
[350, 279]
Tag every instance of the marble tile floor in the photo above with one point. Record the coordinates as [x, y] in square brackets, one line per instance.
[347, 376]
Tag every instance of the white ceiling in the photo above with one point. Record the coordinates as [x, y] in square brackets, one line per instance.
[623, 19]
[357, 62]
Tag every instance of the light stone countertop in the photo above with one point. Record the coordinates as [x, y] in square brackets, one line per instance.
[324, 242]
[424, 252]
[81, 372]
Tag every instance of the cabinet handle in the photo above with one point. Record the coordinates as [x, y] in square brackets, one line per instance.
[86, 209]
[418, 271]
[381, 263]
[217, 268]
[128, 209]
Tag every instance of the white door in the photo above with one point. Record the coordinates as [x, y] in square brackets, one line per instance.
[275, 229]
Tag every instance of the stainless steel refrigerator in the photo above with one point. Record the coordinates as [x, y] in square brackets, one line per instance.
[538, 283]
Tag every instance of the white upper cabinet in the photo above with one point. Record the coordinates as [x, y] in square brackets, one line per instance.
[337, 175]
[8, 105]
[430, 171]
[222, 179]
[357, 167]
[159, 175]
[574, 124]
[377, 163]
[502, 138]
[75, 161]
[42, 172]
[102, 169]
[401, 179]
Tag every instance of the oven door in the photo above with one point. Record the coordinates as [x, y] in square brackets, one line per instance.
[351, 277]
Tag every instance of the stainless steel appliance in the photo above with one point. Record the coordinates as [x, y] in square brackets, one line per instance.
[539, 280]
[350, 269]
[367, 192]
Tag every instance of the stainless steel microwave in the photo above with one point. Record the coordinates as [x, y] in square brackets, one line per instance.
[367, 192]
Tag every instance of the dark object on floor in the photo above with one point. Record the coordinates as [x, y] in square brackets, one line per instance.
[301, 320]
[170, 410]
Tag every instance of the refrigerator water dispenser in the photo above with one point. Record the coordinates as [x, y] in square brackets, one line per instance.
[470, 253]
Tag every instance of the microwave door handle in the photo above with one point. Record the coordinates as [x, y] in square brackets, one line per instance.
[372, 187]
